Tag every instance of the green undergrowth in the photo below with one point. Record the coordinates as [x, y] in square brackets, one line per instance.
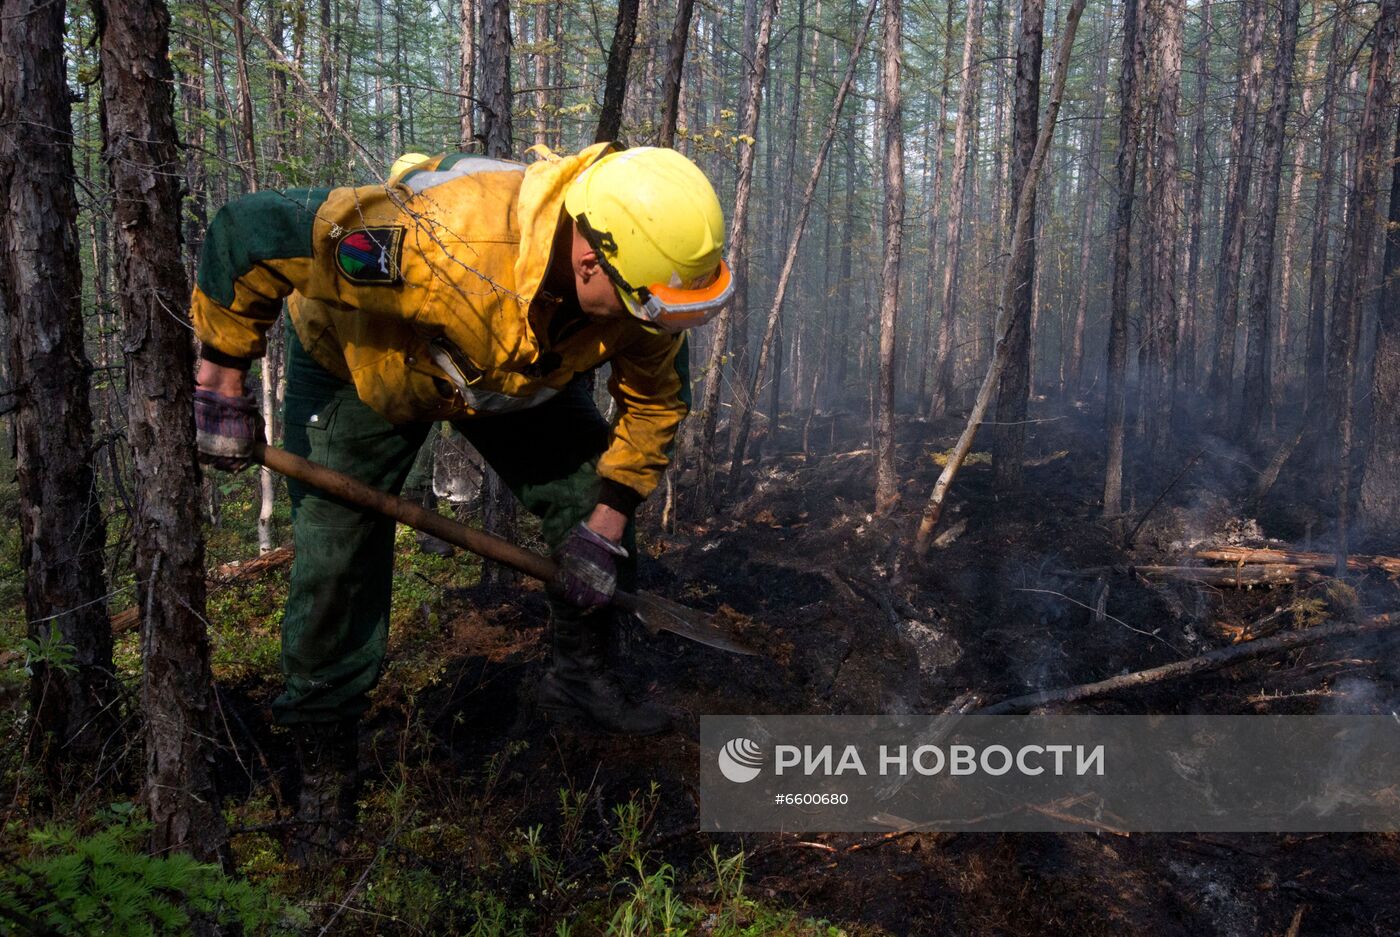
[58, 880]
[441, 853]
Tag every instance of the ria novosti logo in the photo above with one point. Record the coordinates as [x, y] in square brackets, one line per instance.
[740, 760]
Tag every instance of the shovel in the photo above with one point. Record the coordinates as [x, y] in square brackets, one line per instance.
[656, 614]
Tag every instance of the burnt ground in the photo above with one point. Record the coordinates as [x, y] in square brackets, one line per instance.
[849, 628]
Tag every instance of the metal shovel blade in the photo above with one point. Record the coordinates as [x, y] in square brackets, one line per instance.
[659, 614]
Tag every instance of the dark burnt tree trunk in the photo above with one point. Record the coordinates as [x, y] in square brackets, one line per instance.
[675, 66]
[1227, 282]
[619, 58]
[73, 711]
[1353, 270]
[1380, 486]
[1129, 127]
[1256, 402]
[493, 82]
[139, 148]
[892, 117]
[1013, 392]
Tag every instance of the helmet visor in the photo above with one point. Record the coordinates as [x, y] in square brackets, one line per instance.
[675, 309]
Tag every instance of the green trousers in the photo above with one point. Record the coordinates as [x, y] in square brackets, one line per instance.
[336, 622]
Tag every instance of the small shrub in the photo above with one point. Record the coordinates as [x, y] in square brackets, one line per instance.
[105, 884]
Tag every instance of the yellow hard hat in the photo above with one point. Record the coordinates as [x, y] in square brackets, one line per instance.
[404, 163]
[657, 226]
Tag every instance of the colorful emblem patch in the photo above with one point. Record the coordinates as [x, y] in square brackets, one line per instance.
[370, 255]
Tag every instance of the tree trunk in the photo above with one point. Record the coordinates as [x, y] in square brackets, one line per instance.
[1227, 282]
[1380, 486]
[675, 67]
[1190, 323]
[541, 56]
[1315, 357]
[1259, 337]
[943, 364]
[1075, 368]
[494, 80]
[775, 398]
[1020, 236]
[466, 77]
[619, 57]
[940, 130]
[742, 254]
[72, 708]
[738, 234]
[325, 81]
[140, 151]
[1013, 392]
[1129, 127]
[892, 116]
[1354, 268]
[1284, 331]
[1164, 214]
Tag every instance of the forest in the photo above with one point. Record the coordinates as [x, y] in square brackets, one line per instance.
[1061, 375]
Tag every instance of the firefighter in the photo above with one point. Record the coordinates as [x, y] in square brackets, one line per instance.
[480, 292]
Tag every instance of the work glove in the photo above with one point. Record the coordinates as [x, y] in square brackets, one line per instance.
[226, 428]
[587, 563]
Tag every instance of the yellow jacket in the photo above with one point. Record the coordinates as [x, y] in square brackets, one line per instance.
[425, 293]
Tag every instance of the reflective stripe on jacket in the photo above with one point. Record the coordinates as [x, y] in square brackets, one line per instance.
[426, 294]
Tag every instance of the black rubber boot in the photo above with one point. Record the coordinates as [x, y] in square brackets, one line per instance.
[330, 784]
[580, 688]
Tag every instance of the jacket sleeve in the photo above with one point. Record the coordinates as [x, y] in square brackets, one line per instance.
[651, 384]
[257, 251]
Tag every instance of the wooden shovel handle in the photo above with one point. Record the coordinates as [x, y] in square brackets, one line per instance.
[356, 492]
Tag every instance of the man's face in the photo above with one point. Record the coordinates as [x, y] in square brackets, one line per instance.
[596, 295]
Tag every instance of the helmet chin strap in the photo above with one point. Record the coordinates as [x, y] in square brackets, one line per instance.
[603, 243]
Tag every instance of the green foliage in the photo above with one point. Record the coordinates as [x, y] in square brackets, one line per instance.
[50, 650]
[104, 883]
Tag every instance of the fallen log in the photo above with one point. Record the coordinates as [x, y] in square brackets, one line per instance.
[1225, 577]
[225, 574]
[1260, 574]
[1214, 660]
[1389, 564]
